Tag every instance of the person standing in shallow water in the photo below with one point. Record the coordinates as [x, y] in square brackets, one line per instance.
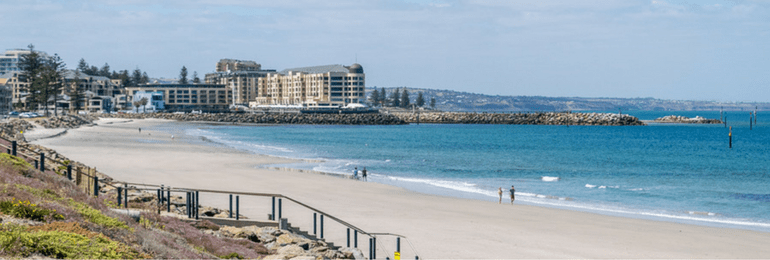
[363, 173]
[355, 173]
[500, 194]
[512, 191]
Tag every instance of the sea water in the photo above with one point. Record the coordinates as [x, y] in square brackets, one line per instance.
[672, 172]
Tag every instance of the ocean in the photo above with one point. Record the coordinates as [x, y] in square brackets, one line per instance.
[670, 172]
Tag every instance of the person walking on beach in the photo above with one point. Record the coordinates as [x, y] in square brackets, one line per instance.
[363, 173]
[512, 191]
[500, 193]
[140, 130]
[355, 173]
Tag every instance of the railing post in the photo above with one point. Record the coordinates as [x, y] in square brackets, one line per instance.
[161, 194]
[355, 238]
[96, 186]
[13, 148]
[120, 196]
[231, 205]
[69, 172]
[168, 196]
[125, 195]
[158, 193]
[322, 226]
[197, 204]
[273, 216]
[37, 165]
[374, 247]
[348, 237]
[314, 224]
[189, 210]
[398, 244]
[279, 209]
[237, 207]
[370, 249]
[42, 162]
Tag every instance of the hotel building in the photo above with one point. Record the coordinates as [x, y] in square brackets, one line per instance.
[209, 98]
[240, 76]
[318, 86]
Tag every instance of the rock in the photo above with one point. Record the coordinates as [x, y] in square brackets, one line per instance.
[290, 238]
[230, 231]
[352, 253]
[290, 251]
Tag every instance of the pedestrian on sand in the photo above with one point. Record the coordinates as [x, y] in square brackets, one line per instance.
[500, 193]
[355, 173]
[140, 129]
[363, 173]
[512, 191]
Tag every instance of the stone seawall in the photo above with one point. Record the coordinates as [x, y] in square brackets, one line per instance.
[687, 120]
[543, 118]
[310, 119]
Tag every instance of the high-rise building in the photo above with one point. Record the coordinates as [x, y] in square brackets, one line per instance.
[240, 76]
[9, 61]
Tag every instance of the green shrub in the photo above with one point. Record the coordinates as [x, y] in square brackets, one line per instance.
[27, 210]
[95, 216]
[231, 256]
[19, 241]
[16, 162]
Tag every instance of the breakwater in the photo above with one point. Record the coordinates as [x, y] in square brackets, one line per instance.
[540, 118]
[687, 120]
[287, 118]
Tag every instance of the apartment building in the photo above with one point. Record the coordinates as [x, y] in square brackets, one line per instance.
[9, 61]
[318, 86]
[240, 76]
[210, 98]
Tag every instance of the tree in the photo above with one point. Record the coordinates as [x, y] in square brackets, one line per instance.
[143, 103]
[105, 70]
[31, 66]
[136, 105]
[125, 80]
[394, 102]
[375, 96]
[420, 100]
[433, 103]
[93, 71]
[183, 75]
[383, 97]
[405, 98]
[136, 77]
[196, 79]
[54, 80]
[76, 93]
[82, 65]
[145, 79]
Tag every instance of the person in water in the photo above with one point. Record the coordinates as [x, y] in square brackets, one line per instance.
[512, 191]
[500, 194]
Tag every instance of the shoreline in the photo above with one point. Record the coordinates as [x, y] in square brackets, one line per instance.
[466, 229]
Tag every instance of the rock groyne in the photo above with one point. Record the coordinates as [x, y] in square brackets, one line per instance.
[687, 120]
[542, 118]
[286, 118]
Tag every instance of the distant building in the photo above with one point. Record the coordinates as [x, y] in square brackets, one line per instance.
[188, 97]
[5, 99]
[240, 76]
[319, 86]
[155, 100]
[9, 61]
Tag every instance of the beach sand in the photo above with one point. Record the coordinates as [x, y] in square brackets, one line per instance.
[436, 226]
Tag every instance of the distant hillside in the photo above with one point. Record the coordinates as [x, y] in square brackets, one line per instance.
[449, 100]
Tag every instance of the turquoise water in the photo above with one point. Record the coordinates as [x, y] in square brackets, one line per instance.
[671, 172]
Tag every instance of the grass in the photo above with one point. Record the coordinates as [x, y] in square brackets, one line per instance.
[21, 241]
[28, 210]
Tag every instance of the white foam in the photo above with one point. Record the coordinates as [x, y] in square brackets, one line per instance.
[602, 187]
[549, 178]
[454, 185]
[590, 186]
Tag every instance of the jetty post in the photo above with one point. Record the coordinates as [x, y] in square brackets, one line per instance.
[731, 137]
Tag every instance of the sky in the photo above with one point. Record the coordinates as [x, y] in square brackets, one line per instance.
[669, 49]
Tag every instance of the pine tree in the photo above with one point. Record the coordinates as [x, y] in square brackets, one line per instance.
[82, 65]
[31, 66]
[76, 93]
[54, 74]
[394, 102]
[405, 98]
[196, 79]
[420, 100]
[375, 97]
[183, 75]
[124, 78]
[136, 77]
[383, 97]
[433, 103]
[145, 79]
[105, 70]
[93, 71]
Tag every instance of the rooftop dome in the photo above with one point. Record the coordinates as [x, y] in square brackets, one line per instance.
[356, 68]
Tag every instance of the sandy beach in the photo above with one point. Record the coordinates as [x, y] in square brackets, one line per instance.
[437, 227]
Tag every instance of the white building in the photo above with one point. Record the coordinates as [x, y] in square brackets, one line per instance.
[318, 86]
[154, 100]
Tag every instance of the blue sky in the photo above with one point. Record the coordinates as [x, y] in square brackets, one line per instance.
[674, 49]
